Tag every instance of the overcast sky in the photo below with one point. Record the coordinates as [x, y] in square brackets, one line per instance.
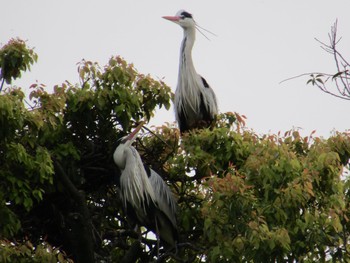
[259, 43]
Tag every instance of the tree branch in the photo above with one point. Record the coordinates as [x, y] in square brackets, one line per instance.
[2, 84]
[341, 78]
[84, 239]
[134, 253]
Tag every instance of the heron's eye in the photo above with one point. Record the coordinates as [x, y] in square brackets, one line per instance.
[185, 14]
[123, 139]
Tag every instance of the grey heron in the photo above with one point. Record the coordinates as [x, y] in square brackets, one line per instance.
[195, 101]
[146, 198]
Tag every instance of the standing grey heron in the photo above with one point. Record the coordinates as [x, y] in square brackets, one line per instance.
[147, 199]
[195, 101]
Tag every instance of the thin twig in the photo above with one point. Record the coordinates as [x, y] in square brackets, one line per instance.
[341, 78]
[157, 137]
[2, 84]
[305, 74]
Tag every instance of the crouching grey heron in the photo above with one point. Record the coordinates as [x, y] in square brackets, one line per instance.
[146, 198]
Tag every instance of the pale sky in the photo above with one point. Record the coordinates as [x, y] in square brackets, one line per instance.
[259, 43]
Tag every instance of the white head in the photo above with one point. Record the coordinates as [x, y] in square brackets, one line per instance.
[125, 142]
[182, 18]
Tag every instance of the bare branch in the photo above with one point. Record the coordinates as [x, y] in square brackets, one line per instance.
[340, 78]
[158, 137]
[306, 74]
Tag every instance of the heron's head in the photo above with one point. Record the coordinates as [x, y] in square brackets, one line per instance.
[129, 139]
[182, 18]
[125, 142]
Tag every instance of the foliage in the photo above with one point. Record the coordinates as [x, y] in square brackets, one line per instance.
[286, 202]
[55, 156]
[14, 58]
[26, 253]
[249, 198]
[242, 197]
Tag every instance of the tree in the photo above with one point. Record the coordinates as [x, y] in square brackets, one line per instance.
[242, 197]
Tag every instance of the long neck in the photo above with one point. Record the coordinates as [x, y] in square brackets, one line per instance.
[186, 62]
[187, 93]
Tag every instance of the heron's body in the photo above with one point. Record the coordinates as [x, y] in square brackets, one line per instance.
[135, 186]
[146, 198]
[195, 101]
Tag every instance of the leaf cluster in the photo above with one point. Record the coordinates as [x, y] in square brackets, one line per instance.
[26, 253]
[15, 57]
[284, 200]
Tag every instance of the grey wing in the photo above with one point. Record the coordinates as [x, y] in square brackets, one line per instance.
[164, 196]
[209, 98]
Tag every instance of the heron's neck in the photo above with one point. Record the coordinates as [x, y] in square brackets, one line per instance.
[186, 62]
[119, 156]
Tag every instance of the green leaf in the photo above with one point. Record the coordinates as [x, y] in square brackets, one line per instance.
[338, 74]
[319, 80]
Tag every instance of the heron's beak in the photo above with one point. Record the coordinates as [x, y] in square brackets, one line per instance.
[134, 133]
[172, 18]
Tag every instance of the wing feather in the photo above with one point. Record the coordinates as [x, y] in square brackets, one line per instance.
[165, 198]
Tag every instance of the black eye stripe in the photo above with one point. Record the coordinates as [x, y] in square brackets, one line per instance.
[186, 14]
